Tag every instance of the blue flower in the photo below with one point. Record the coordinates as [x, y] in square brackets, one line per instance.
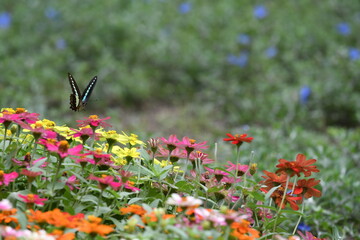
[260, 11]
[343, 28]
[240, 60]
[271, 52]
[5, 20]
[354, 54]
[184, 7]
[244, 39]
[304, 94]
[60, 43]
[303, 227]
[51, 13]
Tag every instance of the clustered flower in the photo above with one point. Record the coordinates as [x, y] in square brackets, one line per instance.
[90, 161]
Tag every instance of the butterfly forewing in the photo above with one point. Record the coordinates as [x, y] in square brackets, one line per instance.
[78, 100]
[88, 90]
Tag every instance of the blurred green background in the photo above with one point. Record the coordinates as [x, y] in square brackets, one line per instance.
[287, 72]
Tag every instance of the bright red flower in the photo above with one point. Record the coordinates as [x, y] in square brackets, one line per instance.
[277, 196]
[300, 165]
[273, 180]
[238, 139]
[305, 187]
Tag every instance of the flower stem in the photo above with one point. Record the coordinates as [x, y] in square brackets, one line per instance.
[282, 202]
[298, 222]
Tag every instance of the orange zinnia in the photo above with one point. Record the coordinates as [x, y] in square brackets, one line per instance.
[133, 208]
[243, 231]
[92, 226]
[6, 216]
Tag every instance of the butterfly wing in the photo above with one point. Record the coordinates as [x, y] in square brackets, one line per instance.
[87, 92]
[75, 97]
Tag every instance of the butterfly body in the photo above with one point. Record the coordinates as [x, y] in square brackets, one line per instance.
[79, 100]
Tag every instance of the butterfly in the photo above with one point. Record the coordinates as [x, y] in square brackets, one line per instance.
[78, 101]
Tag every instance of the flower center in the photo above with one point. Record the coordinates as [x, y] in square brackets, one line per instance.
[94, 117]
[64, 146]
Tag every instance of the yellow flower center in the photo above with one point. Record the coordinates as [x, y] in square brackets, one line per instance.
[38, 124]
[31, 197]
[20, 110]
[95, 117]
[192, 141]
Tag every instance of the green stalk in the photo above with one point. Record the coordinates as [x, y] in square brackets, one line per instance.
[301, 211]
[282, 202]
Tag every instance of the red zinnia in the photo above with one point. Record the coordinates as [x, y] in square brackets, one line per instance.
[300, 165]
[238, 139]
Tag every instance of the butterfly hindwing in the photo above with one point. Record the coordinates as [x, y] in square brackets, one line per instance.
[78, 100]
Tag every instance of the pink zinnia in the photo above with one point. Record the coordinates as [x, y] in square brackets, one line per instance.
[190, 145]
[203, 157]
[94, 121]
[62, 148]
[171, 143]
[238, 168]
[173, 155]
[6, 178]
[71, 181]
[32, 199]
[105, 181]
[85, 133]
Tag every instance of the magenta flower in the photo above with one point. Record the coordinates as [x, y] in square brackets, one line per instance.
[217, 172]
[30, 174]
[19, 116]
[6, 178]
[85, 133]
[202, 157]
[190, 145]
[32, 199]
[105, 181]
[83, 160]
[171, 143]
[94, 121]
[71, 181]
[240, 169]
[28, 162]
[62, 148]
[128, 185]
[24, 116]
[174, 155]
[99, 156]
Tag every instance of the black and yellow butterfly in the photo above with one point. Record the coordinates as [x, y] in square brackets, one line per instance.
[77, 100]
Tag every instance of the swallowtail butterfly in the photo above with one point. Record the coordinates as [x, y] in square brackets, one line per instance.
[77, 100]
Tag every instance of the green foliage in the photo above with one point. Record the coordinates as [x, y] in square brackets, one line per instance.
[149, 52]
